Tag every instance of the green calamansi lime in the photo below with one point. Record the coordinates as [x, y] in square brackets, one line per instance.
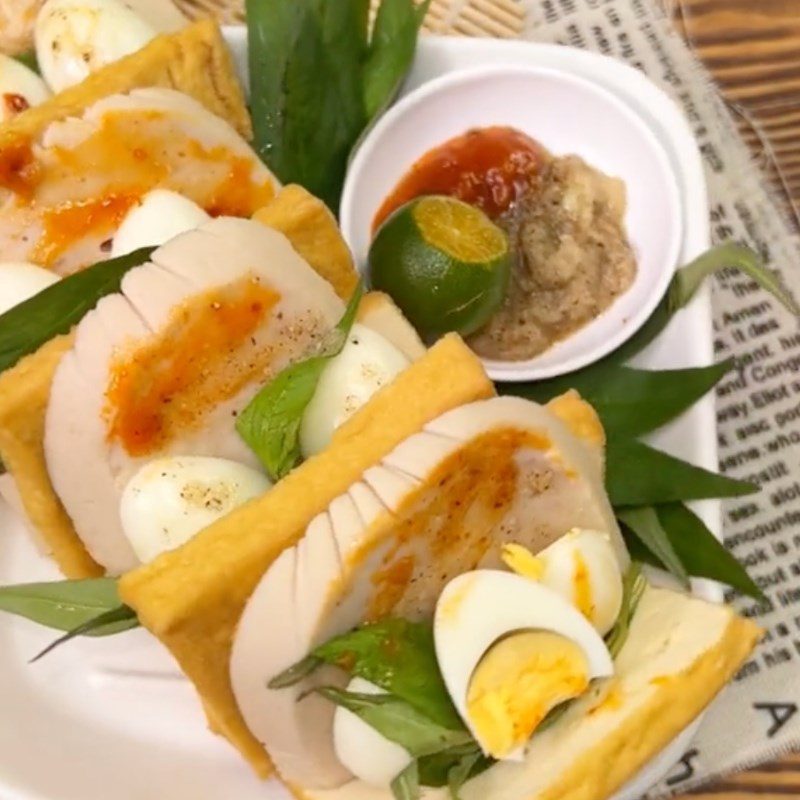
[445, 264]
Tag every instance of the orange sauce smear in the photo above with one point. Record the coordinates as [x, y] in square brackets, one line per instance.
[485, 167]
[451, 522]
[20, 173]
[138, 151]
[205, 356]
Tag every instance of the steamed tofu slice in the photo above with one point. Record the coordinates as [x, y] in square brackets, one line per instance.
[64, 195]
[164, 366]
[680, 653]
[443, 502]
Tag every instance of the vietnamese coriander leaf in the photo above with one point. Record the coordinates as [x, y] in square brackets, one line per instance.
[316, 81]
[645, 525]
[305, 62]
[398, 721]
[635, 401]
[734, 256]
[640, 475]
[461, 772]
[27, 326]
[270, 423]
[700, 552]
[405, 786]
[394, 654]
[63, 605]
[391, 51]
[116, 620]
[633, 585]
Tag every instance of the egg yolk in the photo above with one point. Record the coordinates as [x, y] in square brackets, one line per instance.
[520, 560]
[518, 682]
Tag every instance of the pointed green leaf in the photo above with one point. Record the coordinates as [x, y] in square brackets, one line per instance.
[270, 423]
[700, 552]
[63, 605]
[633, 587]
[108, 623]
[398, 721]
[26, 327]
[643, 522]
[640, 475]
[406, 785]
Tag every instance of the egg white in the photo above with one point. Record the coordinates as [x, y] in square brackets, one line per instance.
[367, 362]
[77, 37]
[478, 608]
[371, 757]
[20, 88]
[160, 216]
[171, 499]
[19, 281]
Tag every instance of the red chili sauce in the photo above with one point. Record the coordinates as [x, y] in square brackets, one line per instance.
[485, 167]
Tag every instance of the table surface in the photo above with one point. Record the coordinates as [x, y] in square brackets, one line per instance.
[753, 49]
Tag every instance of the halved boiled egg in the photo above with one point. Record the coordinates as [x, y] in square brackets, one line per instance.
[19, 281]
[171, 499]
[77, 37]
[370, 756]
[511, 650]
[582, 567]
[161, 215]
[20, 88]
[367, 362]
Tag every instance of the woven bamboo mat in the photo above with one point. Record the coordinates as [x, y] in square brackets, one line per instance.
[500, 18]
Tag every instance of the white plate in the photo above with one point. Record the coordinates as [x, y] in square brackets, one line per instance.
[567, 114]
[113, 719]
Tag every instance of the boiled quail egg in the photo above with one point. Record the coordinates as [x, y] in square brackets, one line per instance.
[171, 499]
[510, 650]
[77, 37]
[582, 567]
[19, 281]
[160, 216]
[20, 88]
[367, 362]
[371, 757]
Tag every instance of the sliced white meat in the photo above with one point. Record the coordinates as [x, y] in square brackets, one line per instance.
[442, 503]
[164, 366]
[20, 88]
[64, 196]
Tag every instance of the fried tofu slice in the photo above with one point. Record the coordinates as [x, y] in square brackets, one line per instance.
[680, 653]
[312, 229]
[192, 598]
[194, 60]
[24, 394]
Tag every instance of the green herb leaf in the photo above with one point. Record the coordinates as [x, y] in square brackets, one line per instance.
[461, 772]
[632, 401]
[633, 586]
[406, 785]
[639, 475]
[29, 60]
[434, 770]
[296, 673]
[398, 721]
[306, 94]
[313, 77]
[700, 552]
[644, 523]
[108, 623]
[26, 327]
[394, 654]
[688, 280]
[391, 51]
[63, 605]
[270, 424]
